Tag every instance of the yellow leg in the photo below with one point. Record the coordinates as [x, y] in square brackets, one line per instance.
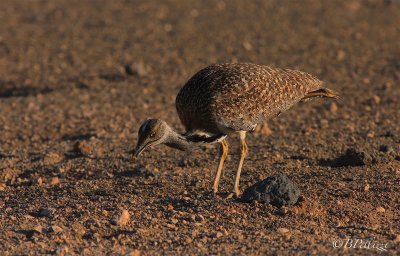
[243, 147]
[224, 154]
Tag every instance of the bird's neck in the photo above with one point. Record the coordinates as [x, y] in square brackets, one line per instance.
[189, 141]
[178, 141]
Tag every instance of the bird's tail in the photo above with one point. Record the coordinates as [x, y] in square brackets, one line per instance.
[322, 92]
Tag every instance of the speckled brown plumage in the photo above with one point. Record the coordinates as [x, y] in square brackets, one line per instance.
[231, 97]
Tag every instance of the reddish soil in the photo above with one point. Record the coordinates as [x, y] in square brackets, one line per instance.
[77, 78]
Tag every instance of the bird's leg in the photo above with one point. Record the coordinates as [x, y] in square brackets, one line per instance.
[243, 147]
[224, 154]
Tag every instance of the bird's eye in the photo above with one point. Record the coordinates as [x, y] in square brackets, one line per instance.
[152, 135]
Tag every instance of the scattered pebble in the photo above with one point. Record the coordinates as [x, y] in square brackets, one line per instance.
[46, 212]
[39, 229]
[133, 253]
[282, 211]
[277, 190]
[122, 219]
[366, 187]
[247, 46]
[380, 209]
[282, 230]
[340, 55]
[56, 229]
[188, 240]
[52, 158]
[39, 181]
[62, 250]
[54, 181]
[263, 129]
[2, 186]
[333, 108]
[136, 69]
[83, 148]
[396, 238]
[376, 99]
[366, 80]
[219, 234]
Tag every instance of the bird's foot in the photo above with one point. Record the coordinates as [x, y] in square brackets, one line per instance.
[233, 195]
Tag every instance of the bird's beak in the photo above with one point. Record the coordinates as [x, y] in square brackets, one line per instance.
[138, 150]
[140, 147]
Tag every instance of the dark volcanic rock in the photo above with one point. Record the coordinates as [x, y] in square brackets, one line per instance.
[352, 157]
[277, 190]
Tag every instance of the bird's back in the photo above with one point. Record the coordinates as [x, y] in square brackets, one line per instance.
[238, 96]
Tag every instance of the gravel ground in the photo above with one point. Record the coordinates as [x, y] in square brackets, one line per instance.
[77, 78]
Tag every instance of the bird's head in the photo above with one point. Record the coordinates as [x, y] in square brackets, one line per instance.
[151, 132]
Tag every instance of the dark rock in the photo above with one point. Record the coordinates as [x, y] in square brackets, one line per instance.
[138, 171]
[352, 157]
[384, 148]
[277, 190]
[46, 212]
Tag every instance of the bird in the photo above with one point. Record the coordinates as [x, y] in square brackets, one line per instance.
[230, 98]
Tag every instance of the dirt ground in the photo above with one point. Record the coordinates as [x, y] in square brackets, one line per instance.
[77, 78]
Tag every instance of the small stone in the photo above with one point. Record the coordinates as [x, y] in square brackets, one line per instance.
[52, 158]
[247, 46]
[340, 55]
[200, 218]
[188, 240]
[371, 135]
[39, 229]
[263, 129]
[282, 230]
[281, 211]
[324, 123]
[83, 148]
[366, 80]
[46, 212]
[333, 107]
[2, 186]
[55, 181]
[385, 149]
[380, 209]
[366, 187]
[122, 219]
[174, 221]
[218, 234]
[78, 228]
[396, 238]
[376, 99]
[133, 253]
[56, 229]
[136, 69]
[62, 250]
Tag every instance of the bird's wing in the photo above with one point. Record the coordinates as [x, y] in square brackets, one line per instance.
[248, 95]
